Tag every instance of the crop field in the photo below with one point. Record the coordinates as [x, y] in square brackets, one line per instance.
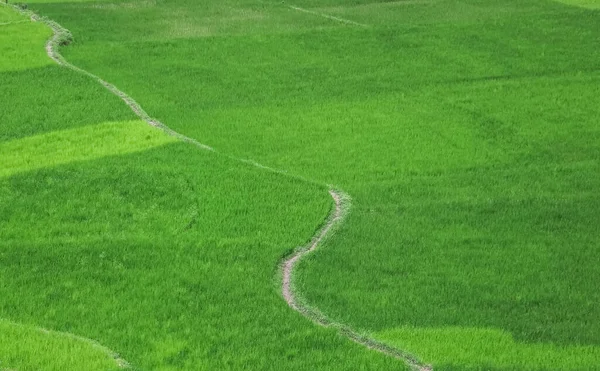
[167, 165]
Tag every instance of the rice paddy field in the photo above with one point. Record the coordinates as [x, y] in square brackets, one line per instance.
[466, 134]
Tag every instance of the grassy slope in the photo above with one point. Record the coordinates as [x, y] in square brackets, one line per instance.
[465, 131]
[167, 256]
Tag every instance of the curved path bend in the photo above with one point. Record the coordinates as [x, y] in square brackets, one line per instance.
[296, 302]
[336, 217]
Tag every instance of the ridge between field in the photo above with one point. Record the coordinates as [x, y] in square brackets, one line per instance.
[341, 206]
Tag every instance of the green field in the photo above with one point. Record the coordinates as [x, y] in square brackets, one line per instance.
[466, 132]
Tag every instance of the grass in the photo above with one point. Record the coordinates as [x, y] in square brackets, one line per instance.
[22, 44]
[8, 16]
[37, 107]
[81, 144]
[465, 131]
[162, 252]
[28, 348]
[145, 260]
[462, 348]
[591, 4]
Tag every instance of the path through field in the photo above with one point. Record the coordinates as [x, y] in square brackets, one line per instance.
[295, 301]
[465, 131]
[340, 199]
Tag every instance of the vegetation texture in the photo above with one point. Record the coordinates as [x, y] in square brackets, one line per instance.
[466, 133]
[162, 252]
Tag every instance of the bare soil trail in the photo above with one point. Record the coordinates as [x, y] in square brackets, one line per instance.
[295, 301]
[62, 36]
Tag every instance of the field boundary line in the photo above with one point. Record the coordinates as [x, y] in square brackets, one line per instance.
[121, 363]
[333, 18]
[62, 36]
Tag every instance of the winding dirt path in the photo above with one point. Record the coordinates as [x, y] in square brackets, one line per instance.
[336, 217]
[289, 264]
[341, 208]
[61, 36]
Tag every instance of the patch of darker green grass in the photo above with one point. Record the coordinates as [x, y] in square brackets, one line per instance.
[41, 100]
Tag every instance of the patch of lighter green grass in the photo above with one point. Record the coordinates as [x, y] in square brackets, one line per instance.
[8, 14]
[590, 4]
[22, 45]
[467, 348]
[80, 144]
[27, 348]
